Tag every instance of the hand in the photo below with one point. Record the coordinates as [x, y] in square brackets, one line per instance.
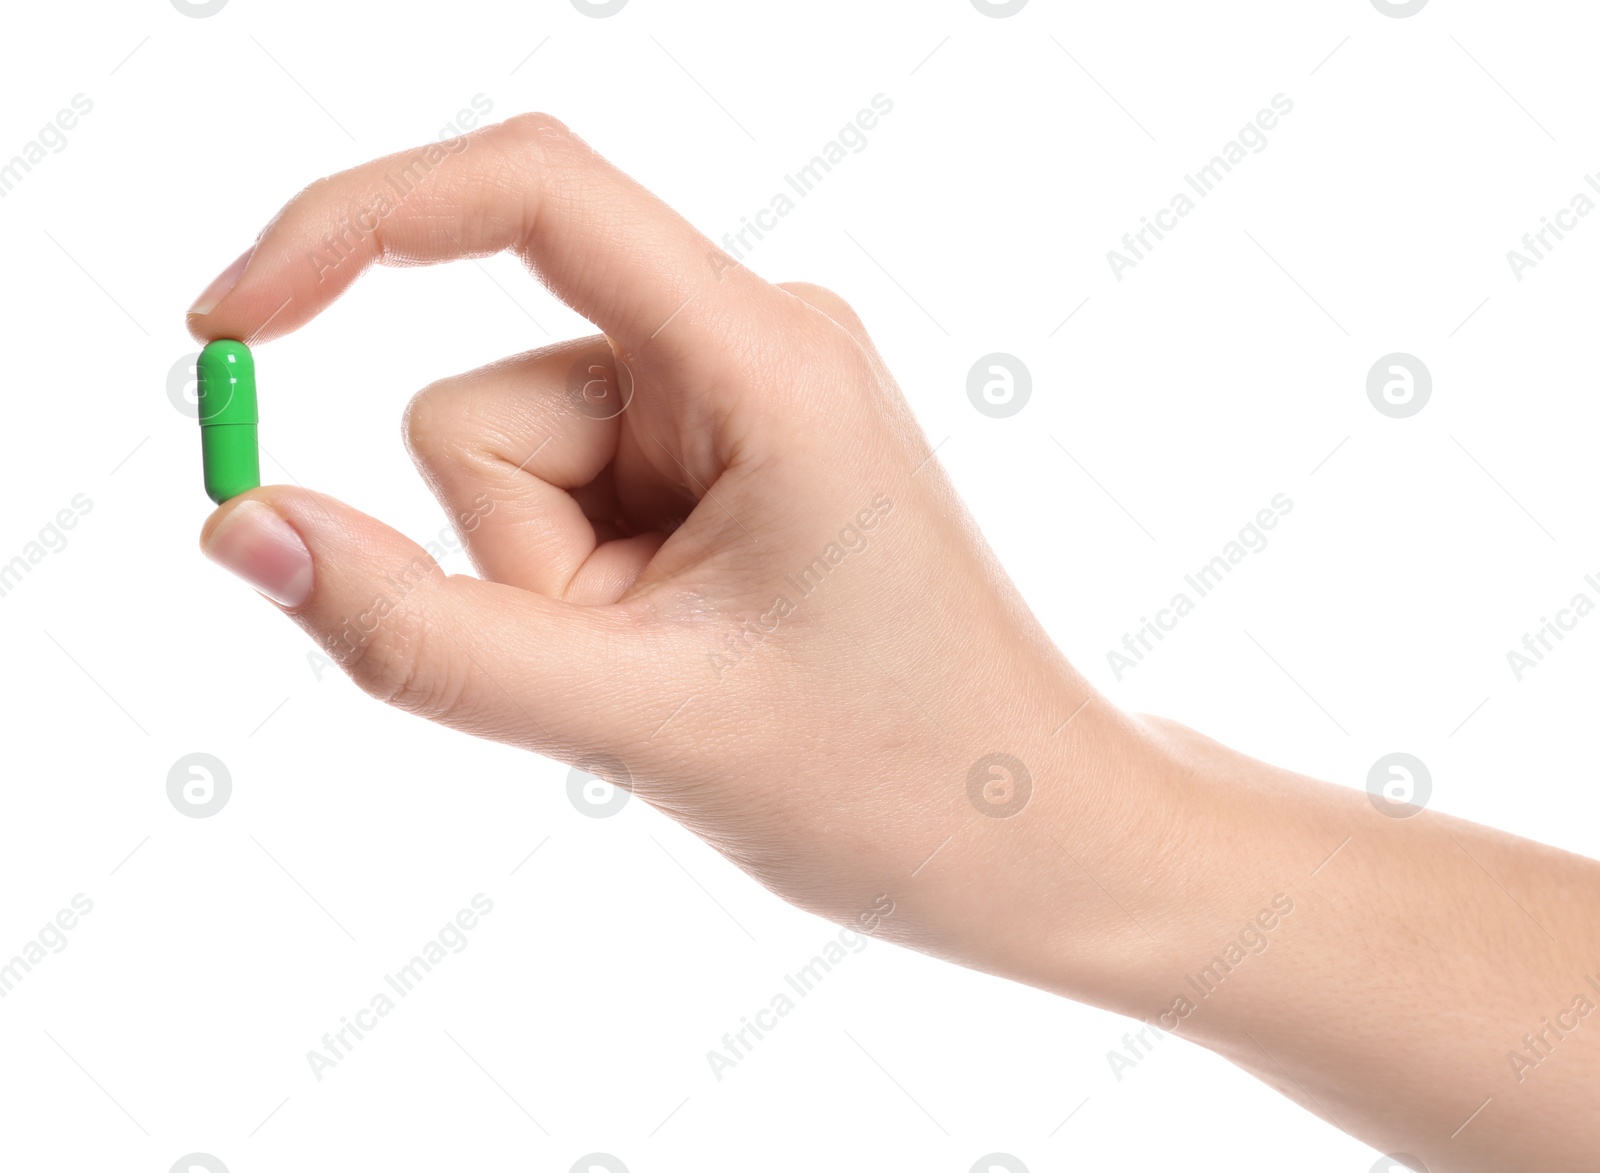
[751, 596]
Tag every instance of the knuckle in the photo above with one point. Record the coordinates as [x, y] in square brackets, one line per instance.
[851, 366]
[312, 191]
[537, 131]
[823, 367]
[421, 425]
[826, 300]
[443, 429]
[824, 337]
[543, 155]
[303, 204]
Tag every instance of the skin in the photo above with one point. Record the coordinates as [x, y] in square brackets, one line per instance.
[627, 619]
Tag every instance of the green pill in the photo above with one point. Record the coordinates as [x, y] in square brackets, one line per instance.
[226, 388]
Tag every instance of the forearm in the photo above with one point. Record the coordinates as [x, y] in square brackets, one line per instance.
[1380, 971]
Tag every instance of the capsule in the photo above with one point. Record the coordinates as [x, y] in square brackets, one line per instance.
[226, 392]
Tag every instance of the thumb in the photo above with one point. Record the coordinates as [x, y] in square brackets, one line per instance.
[482, 657]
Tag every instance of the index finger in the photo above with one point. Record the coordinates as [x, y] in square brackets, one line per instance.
[609, 248]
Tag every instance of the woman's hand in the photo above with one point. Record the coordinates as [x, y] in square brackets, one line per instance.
[719, 562]
[721, 566]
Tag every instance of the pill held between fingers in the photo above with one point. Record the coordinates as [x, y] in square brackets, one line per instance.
[226, 387]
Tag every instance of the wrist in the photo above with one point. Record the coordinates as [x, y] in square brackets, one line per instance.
[1035, 865]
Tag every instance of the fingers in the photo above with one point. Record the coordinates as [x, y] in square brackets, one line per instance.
[518, 453]
[481, 657]
[609, 248]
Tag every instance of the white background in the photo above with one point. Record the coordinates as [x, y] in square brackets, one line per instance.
[1227, 367]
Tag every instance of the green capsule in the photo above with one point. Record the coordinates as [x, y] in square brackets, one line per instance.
[227, 398]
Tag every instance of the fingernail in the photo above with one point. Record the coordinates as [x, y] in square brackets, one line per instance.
[218, 289]
[264, 550]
